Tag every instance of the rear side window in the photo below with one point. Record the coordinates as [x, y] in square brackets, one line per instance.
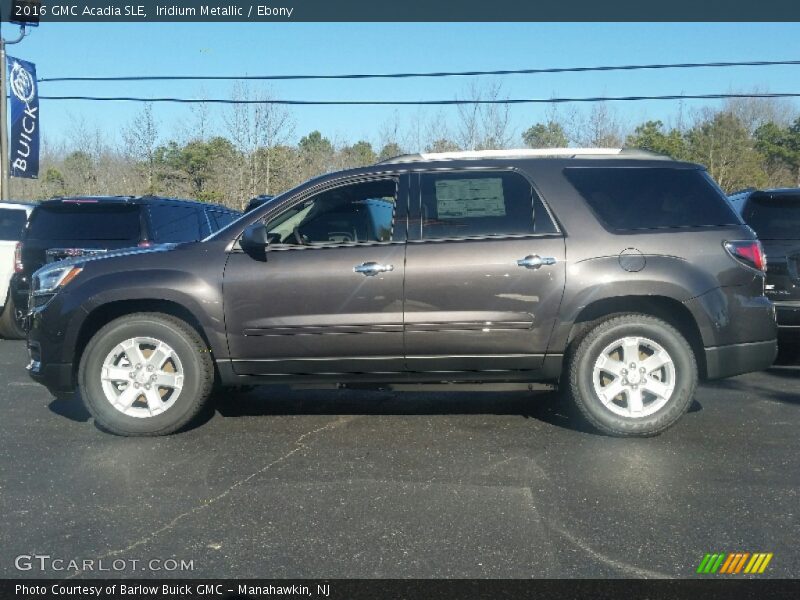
[12, 223]
[652, 198]
[78, 222]
[219, 219]
[480, 204]
[175, 223]
[773, 217]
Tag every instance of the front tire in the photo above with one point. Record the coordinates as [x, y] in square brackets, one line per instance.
[632, 375]
[145, 374]
[10, 325]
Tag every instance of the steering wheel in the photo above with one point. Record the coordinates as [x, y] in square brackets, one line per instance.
[299, 237]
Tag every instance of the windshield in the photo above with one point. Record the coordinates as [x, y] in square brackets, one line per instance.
[774, 217]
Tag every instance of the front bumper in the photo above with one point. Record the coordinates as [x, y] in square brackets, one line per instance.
[737, 359]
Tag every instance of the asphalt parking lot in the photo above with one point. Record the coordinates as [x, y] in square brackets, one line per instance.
[281, 483]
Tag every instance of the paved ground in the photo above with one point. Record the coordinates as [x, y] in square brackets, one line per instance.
[387, 484]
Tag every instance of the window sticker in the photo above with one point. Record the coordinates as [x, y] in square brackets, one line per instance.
[459, 198]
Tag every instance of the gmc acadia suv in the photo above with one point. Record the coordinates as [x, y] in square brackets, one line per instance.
[620, 275]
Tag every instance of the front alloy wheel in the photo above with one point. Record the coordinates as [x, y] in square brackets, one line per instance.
[145, 374]
[142, 377]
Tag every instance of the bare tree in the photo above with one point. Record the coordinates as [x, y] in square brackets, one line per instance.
[141, 139]
[253, 127]
[484, 122]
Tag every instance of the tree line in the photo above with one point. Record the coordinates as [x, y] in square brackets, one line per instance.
[743, 143]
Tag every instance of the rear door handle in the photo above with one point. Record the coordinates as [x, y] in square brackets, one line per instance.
[534, 261]
[372, 268]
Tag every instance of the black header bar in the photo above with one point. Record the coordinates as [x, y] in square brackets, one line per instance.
[283, 11]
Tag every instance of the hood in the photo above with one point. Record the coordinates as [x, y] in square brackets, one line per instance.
[80, 260]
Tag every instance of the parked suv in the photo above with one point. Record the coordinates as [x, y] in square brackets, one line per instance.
[82, 226]
[13, 216]
[775, 217]
[621, 276]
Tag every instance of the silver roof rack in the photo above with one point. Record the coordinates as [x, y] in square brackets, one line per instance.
[526, 153]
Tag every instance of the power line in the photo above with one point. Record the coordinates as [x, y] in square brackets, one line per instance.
[757, 63]
[423, 102]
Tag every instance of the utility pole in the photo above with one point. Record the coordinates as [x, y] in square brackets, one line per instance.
[4, 171]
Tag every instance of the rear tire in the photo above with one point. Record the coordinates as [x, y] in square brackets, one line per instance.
[632, 375]
[10, 327]
[145, 374]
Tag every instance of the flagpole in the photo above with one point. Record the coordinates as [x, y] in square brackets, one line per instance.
[4, 171]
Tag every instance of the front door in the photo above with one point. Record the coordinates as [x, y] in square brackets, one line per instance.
[329, 296]
[485, 273]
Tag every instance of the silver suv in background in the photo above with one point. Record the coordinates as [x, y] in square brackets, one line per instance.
[13, 217]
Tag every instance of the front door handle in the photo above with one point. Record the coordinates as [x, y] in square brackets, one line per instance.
[534, 261]
[372, 268]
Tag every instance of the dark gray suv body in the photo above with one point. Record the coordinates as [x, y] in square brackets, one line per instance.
[623, 277]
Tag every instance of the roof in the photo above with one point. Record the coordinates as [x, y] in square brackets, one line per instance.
[528, 153]
[128, 200]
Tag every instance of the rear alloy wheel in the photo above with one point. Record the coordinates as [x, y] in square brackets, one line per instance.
[632, 375]
[145, 374]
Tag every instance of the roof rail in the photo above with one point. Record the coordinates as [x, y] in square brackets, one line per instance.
[525, 153]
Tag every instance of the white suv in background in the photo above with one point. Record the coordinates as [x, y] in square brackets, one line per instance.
[13, 217]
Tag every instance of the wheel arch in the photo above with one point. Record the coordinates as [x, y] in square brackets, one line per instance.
[105, 313]
[662, 307]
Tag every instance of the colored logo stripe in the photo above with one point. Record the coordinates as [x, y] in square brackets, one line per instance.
[734, 563]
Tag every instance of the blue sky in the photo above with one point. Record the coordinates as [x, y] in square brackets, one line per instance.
[206, 48]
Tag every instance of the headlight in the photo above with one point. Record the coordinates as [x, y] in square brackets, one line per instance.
[49, 280]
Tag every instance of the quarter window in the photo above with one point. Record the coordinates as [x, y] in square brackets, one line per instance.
[480, 204]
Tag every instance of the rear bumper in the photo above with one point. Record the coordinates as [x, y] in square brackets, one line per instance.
[788, 315]
[736, 359]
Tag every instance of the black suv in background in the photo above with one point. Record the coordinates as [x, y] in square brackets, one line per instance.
[621, 276]
[775, 217]
[84, 225]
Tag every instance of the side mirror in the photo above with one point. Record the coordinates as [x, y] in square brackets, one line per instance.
[254, 239]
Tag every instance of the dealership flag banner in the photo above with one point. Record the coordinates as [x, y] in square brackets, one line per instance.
[24, 99]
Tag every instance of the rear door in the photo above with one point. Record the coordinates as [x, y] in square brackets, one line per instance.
[484, 273]
[327, 295]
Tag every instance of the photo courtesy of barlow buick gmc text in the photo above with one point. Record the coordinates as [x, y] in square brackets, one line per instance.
[376, 300]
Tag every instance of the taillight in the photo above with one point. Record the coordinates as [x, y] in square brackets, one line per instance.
[18, 258]
[749, 252]
[144, 244]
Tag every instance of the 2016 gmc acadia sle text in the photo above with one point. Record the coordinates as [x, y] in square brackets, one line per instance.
[621, 276]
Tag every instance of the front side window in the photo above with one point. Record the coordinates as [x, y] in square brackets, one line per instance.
[478, 204]
[361, 212]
